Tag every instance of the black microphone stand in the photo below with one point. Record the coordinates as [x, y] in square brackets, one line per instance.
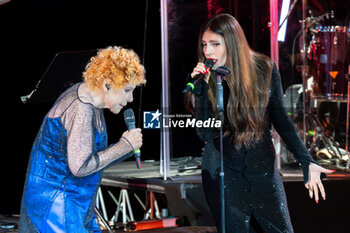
[220, 109]
[221, 72]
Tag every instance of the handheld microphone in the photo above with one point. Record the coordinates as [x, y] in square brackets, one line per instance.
[129, 119]
[209, 63]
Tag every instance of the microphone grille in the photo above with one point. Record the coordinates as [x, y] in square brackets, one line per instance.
[129, 116]
[209, 63]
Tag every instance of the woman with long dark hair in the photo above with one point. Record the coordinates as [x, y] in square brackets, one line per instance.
[252, 104]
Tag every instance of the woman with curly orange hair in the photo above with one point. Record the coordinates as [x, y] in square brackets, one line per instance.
[70, 150]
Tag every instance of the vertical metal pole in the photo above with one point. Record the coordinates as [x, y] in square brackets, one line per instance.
[165, 104]
[151, 198]
[99, 193]
[274, 30]
[222, 186]
[347, 118]
[275, 58]
[304, 2]
[123, 192]
[220, 109]
[347, 122]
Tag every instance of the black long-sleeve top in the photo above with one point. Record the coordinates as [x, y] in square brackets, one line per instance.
[256, 158]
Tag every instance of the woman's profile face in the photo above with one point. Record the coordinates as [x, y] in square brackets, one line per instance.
[214, 47]
[116, 99]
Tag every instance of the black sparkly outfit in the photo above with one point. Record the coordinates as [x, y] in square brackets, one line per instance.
[253, 186]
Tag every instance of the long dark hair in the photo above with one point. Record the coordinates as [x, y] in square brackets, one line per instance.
[248, 82]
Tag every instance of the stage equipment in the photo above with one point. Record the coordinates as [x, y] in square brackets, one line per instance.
[153, 207]
[327, 58]
[64, 70]
[151, 224]
[165, 101]
[347, 118]
[329, 51]
[184, 193]
[285, 13]
[143, 59]
[102, 222]
[123, 203]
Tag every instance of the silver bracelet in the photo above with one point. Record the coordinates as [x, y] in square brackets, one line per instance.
[129, 143]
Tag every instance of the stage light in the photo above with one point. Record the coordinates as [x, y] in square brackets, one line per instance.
[284, 12]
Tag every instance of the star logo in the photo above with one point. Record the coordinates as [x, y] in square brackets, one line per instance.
[151, 119]
[156, 115]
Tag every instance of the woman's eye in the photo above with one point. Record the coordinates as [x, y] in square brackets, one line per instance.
[203, 44]
[216, 44]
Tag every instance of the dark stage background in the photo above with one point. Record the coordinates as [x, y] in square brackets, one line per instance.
[34, 31]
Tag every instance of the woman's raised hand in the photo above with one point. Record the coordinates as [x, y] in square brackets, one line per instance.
[201, 69]
[134, 137]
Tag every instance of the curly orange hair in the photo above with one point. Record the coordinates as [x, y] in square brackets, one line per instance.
[117, 65]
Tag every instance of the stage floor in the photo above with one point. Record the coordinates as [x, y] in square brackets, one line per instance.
[185, 170]
[185, 195]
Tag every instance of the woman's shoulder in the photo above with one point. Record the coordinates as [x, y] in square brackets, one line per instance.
[69, 101]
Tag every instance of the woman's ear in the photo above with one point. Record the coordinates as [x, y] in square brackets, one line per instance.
[107, 86]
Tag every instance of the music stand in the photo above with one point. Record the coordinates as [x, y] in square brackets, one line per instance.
[65, 69]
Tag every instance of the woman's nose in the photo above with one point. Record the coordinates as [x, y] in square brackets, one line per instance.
[208, 51]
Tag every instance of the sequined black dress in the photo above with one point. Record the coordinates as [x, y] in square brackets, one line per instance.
[253, 186]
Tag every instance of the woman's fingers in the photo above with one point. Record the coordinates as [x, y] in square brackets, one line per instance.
[323, 192]
[199, 69]
[309, 187]
[324, 170]
[311, 193]
[315, 189]
[134, 137]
